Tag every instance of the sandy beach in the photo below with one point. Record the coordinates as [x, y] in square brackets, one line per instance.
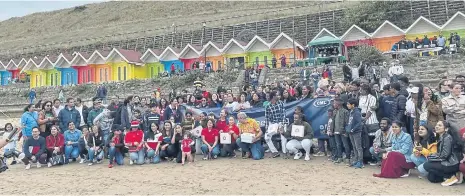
[223, 176]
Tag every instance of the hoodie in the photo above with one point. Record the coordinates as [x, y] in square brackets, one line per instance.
[386, 106]
[29, 120]
[354, 125]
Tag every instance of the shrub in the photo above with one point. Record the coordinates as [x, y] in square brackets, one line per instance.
[366, 54]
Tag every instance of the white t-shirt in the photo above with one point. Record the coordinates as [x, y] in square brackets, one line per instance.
[83, 122]
[12, 144]
[365, 103]
[57, 110]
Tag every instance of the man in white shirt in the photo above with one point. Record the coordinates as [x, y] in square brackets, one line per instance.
[395, 71]
[83, 110]
[57, 107]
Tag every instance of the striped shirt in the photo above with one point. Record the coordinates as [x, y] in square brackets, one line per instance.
[366, 103]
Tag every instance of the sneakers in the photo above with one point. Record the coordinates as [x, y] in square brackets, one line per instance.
[373, 163]
[90, 164]
[460, 177]
[319, 154]
[297, 156]
[307, 157]
[28, 166]
[110, 165]
[39, 165]
[339, 160]
[82, 161]
[452, 180]
[245, 155]
[275, 155]
[49, 164]
[205, 157]
[358, 165]
[131, 162]
[13, 162]
[406, 175]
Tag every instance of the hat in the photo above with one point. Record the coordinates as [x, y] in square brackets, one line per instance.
[413, 90]
[135, 124]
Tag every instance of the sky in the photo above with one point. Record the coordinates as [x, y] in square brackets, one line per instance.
[9, 9]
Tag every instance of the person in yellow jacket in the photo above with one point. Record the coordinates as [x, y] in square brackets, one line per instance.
[425, 145]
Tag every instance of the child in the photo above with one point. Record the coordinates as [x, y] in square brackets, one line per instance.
[186, 144]
[330, 132]
[354, 129]
[11, 146]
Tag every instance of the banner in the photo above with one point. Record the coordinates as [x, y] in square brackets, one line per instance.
[315, 110]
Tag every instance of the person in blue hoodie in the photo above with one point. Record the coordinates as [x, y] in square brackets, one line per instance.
[29, 120]
[72, 136]
[354, 129]
[386, 102]
[69, 114]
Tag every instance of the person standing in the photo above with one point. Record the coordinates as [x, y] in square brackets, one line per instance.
[340, 120]
[69, 114]
[273, 62]
[102, 93]
[283, 61]
[354, 129]
[275, 119]
[95, 111]
[32, 96]
[29, 120]
[83, 111]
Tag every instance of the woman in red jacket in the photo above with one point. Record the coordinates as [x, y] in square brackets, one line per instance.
[233, 131]
[55, 143]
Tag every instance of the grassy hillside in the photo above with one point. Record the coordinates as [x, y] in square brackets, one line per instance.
[101, 21]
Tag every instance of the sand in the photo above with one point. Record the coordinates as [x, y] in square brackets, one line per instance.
[222, 176]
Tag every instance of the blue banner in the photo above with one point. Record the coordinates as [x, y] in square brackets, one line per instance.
[315, 110]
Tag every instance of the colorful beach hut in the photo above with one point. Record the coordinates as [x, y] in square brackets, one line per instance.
[126, 64]
[53, 75]
[5, 75]
[85, 73]
[386, 36]
[422, 27]
[214, 55]
[153, 66]
[258, 51]
[37, 77]
[234, 53]
[284, 45]
[97, 61]
[190, 55]
[325, 48]
[69, 75]
[170, 56]
[14, 66]
[456, 24]
[354, 37]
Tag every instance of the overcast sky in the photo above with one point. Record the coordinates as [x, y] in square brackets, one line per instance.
[9, 9]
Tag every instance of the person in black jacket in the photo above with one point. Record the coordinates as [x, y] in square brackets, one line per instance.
[173, 110]
[116, 145]
[95, 142]
[398, 106]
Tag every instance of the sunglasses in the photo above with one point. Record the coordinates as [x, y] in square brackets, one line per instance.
[48, 105]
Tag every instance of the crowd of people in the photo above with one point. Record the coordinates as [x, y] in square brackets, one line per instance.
[398, 127]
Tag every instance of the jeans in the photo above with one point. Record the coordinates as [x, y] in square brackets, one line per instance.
[438, 172]
[170, 152]
[269, 142]
[214, 152]
[294, 146]
[228, 150]
[376, 156]
[152, 157]
[92, 154]
[256, 149]
[117, 155]
[356, 140]
[321, 145]
[342, 143]
[71, 152]
[138, 157]
[332, 145]
[105, 133]
[419, 163]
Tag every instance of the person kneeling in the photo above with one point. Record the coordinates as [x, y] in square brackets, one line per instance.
[34, 150]
[95, 145]
[116, 146]
[302, 141]
[134, 140]
[210, 148]
[72, 136]
[253, 148]
[55, 147]
[233, 131]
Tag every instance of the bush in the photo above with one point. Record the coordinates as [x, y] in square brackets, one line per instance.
[366, 54]
[79, 89]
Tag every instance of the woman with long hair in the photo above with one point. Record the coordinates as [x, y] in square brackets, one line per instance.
[166, 149]
[210, 146]
[95, 143]
[425, 144]
[29, 119]
[162, 107]
[153, 141]
[242, 103]
[192, 101]
[430, 109]
[215, 101]
[396, 161]
[55, 146]
[47, 118]
[256, 102]
[287, 97]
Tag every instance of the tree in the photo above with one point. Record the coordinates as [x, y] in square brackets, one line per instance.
[370, 15]
[366, 54]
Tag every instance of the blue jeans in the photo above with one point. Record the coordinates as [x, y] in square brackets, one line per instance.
[105, 133]
[71, 152]
[342, 143]
[419, 163]
[91, 155]
[138, 157]
[256, 149]
[376, 156]
[332, 145]
[153, 158]
[214, 152]
[115, 155]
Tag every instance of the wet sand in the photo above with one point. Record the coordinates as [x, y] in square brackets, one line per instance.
[223, 176]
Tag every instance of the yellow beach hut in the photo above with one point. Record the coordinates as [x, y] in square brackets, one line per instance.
[153, 66]
[37, 77]
[234, 54]
[456, 24]
[47, 66]
[421, 27]
[126, 65]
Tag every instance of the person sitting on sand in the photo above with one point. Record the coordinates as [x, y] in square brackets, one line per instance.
[210, 138]
[34, 150]
[297, 143]
[55, 146]
[72, 136]
[396, 159]
[116, 146]
[233, 130]
[254, 149]
[425, 145]
[134, 141]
